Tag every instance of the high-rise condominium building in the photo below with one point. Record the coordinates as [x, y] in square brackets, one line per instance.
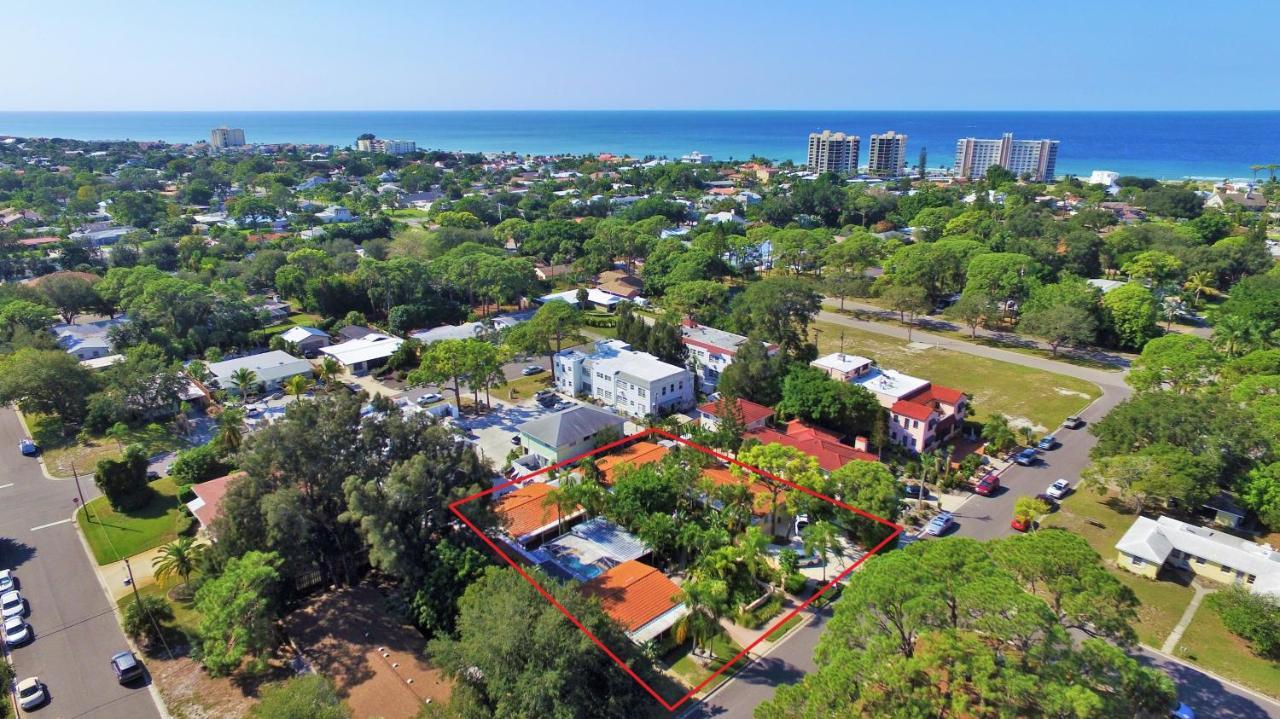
[1033, 158]
[888, 154]
[226, 137]
[833, 152]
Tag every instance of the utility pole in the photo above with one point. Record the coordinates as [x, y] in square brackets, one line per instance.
[79, 491]
[137, 597]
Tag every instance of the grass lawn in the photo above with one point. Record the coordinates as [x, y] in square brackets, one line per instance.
[306, 319]
[781, 631]
[406, 213]
[113, 536]
[1161, 602]
[1208, 643]
[693, 672]
[185, 616]
[1041, 398]
[60, 453]
[518, 389]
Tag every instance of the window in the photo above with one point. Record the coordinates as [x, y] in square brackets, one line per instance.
[1198, 560]
[1250, 578]
[1136, 561]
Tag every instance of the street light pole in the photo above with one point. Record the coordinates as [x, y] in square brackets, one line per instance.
[79, 491]
[137, 597]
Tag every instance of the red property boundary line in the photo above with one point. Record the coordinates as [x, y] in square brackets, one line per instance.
[453, 506]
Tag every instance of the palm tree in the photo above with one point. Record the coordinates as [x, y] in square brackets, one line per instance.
[1254, 169]
[230, 432]
[180, 558]
[997, 433]
[1234, 335]
[1200, 283]
[1027, 434]
[752, 549]
[328, 371]
[244, 380]
[821, 537]
[297, 385]
[563, 499]
[706, 600]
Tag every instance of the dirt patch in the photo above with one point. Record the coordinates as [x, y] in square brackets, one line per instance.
[190, 693]
[376, 664]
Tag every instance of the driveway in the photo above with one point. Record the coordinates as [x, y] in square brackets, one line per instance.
[74, 623]
[493, 430]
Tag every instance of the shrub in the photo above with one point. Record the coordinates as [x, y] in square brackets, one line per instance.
[309, 696]
[795, 583]
[1253, 617]
[124, 481]
[199, 464]
[144, 622]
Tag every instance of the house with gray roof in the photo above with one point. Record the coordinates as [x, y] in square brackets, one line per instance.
[272, 368]
[1151, 544]
[308, 340]
[565, 435]
[86, 340]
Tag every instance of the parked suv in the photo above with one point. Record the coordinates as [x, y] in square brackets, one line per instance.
[126, 666]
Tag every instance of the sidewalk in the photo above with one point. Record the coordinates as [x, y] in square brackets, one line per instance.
[115, 576]
[1171, 642]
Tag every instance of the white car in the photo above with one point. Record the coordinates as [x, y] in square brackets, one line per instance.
[16, 631]
[31, 693]
[6, 580]
[1059, 489]
[11, 604]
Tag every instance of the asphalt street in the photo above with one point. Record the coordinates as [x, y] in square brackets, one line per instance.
[75, 626]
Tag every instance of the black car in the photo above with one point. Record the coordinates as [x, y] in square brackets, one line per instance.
[126, 666]
[912, 490]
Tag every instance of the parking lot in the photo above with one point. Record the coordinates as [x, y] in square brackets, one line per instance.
[492, 432]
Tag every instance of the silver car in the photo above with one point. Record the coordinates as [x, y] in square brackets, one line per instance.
[16, 631]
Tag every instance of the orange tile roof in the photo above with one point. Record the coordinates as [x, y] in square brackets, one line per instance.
[722, 477]
[748, 410]
[638, 454]
[633, 593]
[818, 443]
[522, 511]
[912, 409]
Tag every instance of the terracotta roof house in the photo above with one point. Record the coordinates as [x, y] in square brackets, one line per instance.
[526, 519]
[617, 282]
[636, 455]
[723, 477]
[638, 597]
[209, 496]
[821, 444]
[754, 416]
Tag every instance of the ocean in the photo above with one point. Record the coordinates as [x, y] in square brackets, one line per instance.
[1166, 145]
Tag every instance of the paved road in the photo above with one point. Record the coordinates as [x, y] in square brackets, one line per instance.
[75, 628]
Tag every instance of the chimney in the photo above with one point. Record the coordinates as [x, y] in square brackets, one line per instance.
[688, 322]
[860, 444]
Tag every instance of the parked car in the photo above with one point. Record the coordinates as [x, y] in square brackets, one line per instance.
[544, 393]
[802, 521]
[1182, 711]
[1053, 503]
[515, 439]
[532, 370]
[987, 485]
[152, 475]
[1019, 524]
[1059, 489]
[28, 447]
[16, 631]
[277, 395]
[1026, 457]
[12, 604]
[31, 693]
[1047, 443]
[7, 580]
[940, 524]
[1073, 422]
[428, 398]
[126, 667]
[912, 489]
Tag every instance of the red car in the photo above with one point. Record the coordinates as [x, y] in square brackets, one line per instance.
[1019, 524]
[987, 486]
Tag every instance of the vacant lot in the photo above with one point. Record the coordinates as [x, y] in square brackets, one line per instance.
[348, 635]
[1025, 395]
[61, 453]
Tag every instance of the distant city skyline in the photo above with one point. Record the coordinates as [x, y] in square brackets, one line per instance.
[662, 55]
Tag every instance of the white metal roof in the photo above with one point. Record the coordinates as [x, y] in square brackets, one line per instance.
[1154, 540]
[370, 347]
[841, 362]
[892, 383]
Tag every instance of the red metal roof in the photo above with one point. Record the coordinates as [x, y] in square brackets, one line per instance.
[212, 493]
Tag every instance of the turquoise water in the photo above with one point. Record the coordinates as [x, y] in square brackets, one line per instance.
[1159, 144]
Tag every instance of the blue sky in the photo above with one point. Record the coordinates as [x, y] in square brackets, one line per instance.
[649, 54]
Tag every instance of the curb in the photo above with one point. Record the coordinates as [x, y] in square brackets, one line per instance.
[1218, 678]
[44, 468]
[807, 618]
[115, 610]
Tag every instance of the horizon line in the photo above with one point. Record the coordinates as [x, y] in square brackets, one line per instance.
[649, 109]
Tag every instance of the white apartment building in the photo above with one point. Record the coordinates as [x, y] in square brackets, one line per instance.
[710, 351]
[888, 154]
[386, 147]
[221, 137]
[833, 152]
[635, 383]
[1034, 158]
